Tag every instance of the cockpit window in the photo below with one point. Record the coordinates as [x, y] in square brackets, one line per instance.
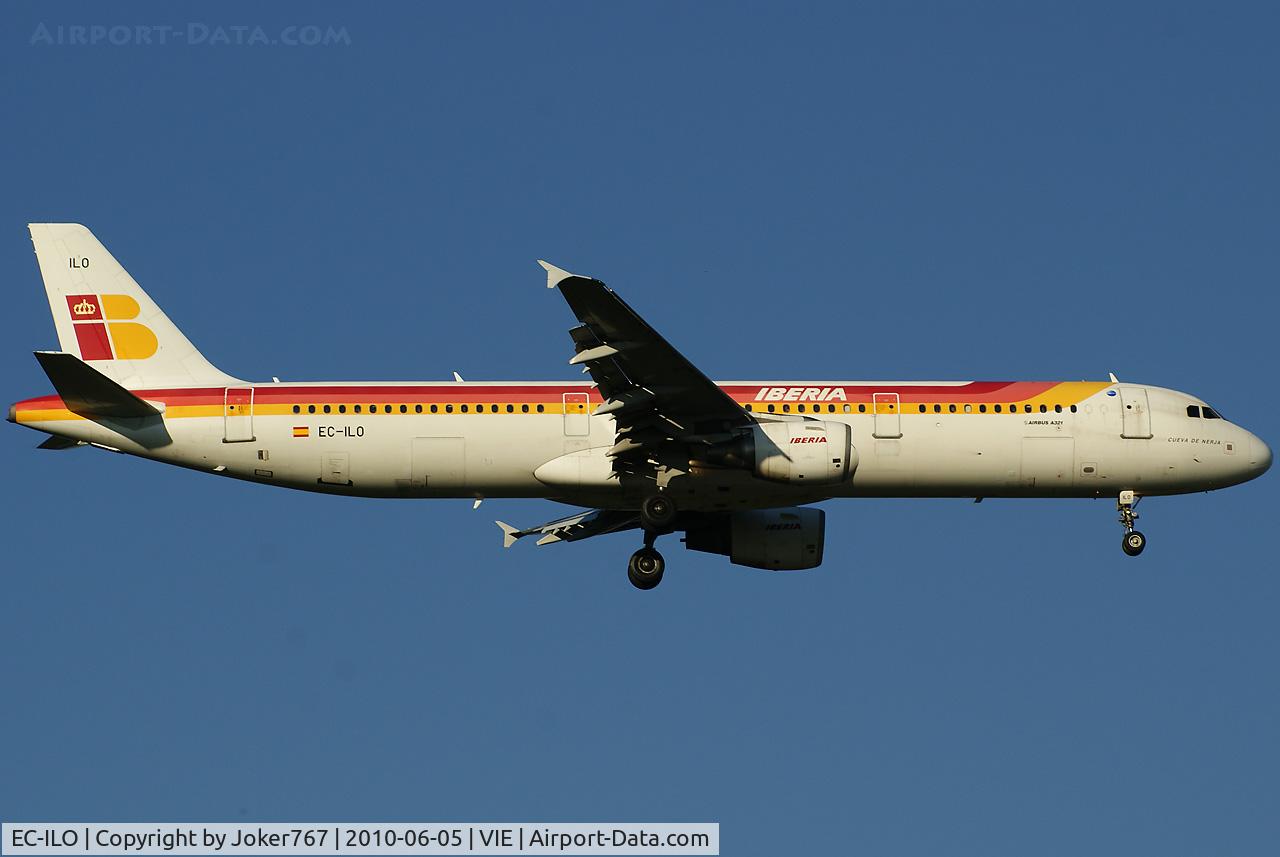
[1193, 411]
[1210, 413]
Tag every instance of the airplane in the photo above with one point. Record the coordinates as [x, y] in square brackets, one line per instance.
[649, 444]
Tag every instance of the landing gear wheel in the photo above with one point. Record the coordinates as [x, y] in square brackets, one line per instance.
[645, 568]
[1134, 542]
[658, 512]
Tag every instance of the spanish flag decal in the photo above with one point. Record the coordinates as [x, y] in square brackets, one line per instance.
[301, 431]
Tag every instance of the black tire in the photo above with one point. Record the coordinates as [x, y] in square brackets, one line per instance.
[1133, 543]
[658, 512]
[645, 568]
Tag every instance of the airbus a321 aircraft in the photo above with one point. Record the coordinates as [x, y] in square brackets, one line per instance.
[649, 444]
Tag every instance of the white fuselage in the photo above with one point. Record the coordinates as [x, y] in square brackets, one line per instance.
[539, 439]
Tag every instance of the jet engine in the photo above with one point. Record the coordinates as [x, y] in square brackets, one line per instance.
[774, 539]
[797, 452]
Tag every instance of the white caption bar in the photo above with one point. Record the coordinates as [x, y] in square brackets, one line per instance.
[67, 838]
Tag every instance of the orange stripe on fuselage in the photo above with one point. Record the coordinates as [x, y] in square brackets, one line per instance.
[278, 400]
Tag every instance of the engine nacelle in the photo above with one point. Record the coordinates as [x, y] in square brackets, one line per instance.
[804, 453]
[775, 539]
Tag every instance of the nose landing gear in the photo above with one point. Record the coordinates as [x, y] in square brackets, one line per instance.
[1134, 541]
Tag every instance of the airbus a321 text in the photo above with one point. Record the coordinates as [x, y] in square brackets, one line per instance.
[649, 444]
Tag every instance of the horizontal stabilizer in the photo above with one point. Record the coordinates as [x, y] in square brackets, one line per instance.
[87, 392]
[55, 442]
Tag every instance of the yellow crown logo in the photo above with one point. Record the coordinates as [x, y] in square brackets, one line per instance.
[85, 308]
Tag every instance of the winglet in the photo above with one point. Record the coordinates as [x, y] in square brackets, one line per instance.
[555, 275]
[509, 534]
[1114, 379]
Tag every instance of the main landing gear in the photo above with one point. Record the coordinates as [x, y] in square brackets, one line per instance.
[1134, 541]
[657, 514]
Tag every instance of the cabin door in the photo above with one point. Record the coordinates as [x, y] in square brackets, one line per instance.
[887, 416]
[577, 420]
[237, 414]
[1135, 413]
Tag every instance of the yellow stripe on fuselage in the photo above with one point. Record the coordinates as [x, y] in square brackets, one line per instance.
[1066, 393]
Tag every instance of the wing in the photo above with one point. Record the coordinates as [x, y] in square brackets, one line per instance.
[656, 396]
[574, 528]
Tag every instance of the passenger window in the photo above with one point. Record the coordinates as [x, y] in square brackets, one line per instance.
[435, 408]
[968, 409]
[357, 409]
[1028, 408]
[997, 409]
[417, 409]
[771, 409]
[848, 409]
[1073, 409]
[982, 409]
[1044, 409]
[311, 409]
[342, 409]
[297, 409]
[1193, 411]
[862, 409]
[831, 409]
[464, 409]
[786, 409]
[448, 409]
[540, 409]
[748, 406]
[951, 408]
[511, 409]
[524, 409]
[923, 409]
[800, 408]
[1057, 409]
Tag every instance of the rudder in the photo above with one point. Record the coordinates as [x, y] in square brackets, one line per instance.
[104, 317]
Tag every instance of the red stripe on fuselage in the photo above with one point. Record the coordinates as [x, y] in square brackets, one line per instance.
[976, 392]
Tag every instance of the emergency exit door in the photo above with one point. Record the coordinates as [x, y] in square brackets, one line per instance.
[577, 419]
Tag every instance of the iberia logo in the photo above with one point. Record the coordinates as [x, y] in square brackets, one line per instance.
[104, 330]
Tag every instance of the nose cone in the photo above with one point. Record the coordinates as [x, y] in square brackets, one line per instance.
[1259, 455]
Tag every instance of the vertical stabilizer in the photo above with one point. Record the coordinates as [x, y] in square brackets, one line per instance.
[105, 318]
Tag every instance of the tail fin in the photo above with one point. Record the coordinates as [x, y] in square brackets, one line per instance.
[106, 319]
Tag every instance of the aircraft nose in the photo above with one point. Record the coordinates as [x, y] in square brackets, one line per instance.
[1259, 455]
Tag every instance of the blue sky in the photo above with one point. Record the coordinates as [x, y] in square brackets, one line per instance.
[985, 190]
